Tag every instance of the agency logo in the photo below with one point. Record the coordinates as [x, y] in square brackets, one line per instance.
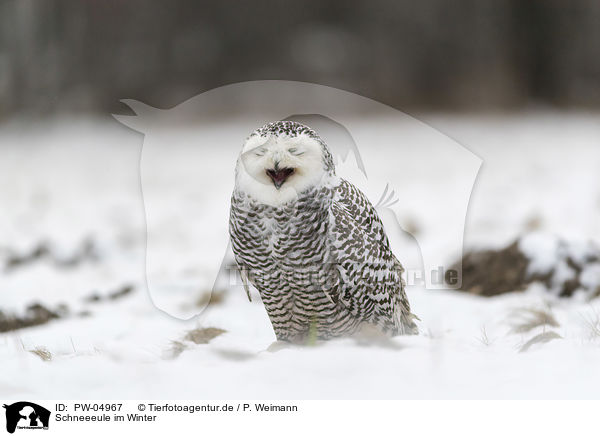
[418, 179]
[26, 415]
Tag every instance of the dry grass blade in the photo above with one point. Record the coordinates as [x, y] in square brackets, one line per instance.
[177, 347]
[484, 339]
[532, 318]
[542, 338]
[593, 323]
[42, 353]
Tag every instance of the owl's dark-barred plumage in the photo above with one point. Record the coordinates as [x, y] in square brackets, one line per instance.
[310, 242]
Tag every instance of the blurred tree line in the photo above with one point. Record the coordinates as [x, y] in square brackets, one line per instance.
[69, 55]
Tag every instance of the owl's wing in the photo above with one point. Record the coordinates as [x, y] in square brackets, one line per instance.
[370, 280]
[356, 205]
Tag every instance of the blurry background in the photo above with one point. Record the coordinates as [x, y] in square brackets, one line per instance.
[60, 55]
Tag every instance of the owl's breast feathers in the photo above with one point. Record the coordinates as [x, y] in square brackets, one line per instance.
[321, 263]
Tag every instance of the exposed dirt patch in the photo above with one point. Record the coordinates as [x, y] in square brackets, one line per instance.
[38, 314]
[35, 314]
[211, 298]
[203, 335]
[85, 252]
[495, 272]
[119, 293]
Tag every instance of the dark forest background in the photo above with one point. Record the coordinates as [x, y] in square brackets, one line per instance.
[85, 55]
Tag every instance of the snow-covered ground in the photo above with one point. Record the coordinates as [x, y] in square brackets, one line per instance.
[64, 182]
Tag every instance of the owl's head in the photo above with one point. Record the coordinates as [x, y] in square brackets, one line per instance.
[281, 160]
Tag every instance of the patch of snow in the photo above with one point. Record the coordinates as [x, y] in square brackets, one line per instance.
[542, 250]
[79, 179]
[590, 276]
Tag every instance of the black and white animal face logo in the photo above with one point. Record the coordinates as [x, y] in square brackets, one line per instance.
[26, 415]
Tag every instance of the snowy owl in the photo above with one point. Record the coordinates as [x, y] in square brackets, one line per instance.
[310, 242]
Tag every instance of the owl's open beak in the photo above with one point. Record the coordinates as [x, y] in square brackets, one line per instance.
[279, 175]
